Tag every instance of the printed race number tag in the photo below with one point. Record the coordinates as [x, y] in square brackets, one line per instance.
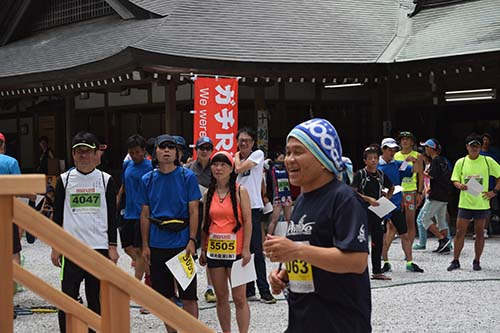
[222, 246]
[300, 275]
[183, 268]
[187, 263]
[85, 200]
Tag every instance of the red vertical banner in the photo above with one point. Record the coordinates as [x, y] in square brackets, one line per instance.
[216, 111]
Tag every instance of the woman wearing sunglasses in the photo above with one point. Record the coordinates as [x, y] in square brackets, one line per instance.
[226, 233]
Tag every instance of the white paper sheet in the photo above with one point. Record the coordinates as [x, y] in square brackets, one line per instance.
[397, 188]
[243, 274]
[25, 200]
[177, 268]
[38, 199]
[474, 187]
[385, 207]
[281, 228]
[403, 166]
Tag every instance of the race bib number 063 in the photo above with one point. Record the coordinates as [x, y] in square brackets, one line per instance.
[300, 276]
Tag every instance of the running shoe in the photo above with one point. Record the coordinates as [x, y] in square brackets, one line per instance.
[418, 247]
[446, 250]
[267, 298]
[143, 311]
[251, 297]
[387, 267]
[443, 244]
[178, 301]
[476, 266]
[412, 267]
[210, 296]
[455, 264]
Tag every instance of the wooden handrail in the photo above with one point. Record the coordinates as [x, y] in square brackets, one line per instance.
[116, 283]
[56, 297]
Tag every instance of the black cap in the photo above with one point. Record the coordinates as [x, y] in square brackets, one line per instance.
[474, 139]
[85, 139]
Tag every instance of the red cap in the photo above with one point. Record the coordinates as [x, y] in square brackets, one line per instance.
[228, 155]
[2, 137]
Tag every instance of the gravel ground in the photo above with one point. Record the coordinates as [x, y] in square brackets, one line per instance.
[435, 301]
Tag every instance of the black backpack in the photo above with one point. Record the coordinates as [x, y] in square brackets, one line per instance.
[365, 177]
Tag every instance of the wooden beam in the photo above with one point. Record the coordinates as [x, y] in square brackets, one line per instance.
[75, 325]
[103, 269]
[22, 184]
[6, 288]
[115, 309]
[56, 297]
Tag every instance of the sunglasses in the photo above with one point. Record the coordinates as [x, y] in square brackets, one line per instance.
[408, 134]
[205, 148]
[168, 145]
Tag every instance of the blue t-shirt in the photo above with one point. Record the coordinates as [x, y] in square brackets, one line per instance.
[131, 177]
[331, 216]
[168, 195]
[9, 165]
[391, 169]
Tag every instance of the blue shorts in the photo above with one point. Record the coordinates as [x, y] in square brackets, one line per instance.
[469, 214]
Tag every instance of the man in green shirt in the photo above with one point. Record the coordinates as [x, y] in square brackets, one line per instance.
[471, 176]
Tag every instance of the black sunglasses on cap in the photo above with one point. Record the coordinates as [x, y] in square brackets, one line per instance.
[169, 145]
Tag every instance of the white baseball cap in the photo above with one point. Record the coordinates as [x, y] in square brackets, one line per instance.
[390, 143]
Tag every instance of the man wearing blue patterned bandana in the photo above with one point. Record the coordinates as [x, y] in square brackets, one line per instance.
[325, 250]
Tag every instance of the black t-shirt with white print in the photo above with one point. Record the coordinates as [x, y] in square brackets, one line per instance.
[372, 184]
[331, 216]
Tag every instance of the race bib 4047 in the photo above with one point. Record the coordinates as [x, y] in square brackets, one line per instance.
[85, 200]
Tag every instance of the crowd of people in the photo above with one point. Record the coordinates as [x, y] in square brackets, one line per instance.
[212, 205]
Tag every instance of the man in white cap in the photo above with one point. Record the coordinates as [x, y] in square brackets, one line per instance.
[326, 247]
[392, 168]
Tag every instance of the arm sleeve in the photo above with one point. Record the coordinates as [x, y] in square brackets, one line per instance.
[256, 156]
[60, 194]
[111, 204]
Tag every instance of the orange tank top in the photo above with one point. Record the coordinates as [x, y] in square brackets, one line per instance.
[222, 219]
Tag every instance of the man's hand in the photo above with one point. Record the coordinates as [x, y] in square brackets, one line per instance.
[190, 248]
[146, 255]
[280, 249]
[113, 254]
[372, 201]
[56, 258]
[278, 280]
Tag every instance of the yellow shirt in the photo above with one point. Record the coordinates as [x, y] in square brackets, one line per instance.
[408, 183]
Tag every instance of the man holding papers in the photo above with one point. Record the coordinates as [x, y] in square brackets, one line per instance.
[169, 196]
[392, 169]
[474, 202]
[325, 250]
[369, 183]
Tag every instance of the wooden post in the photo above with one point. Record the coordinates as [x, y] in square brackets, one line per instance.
[115, 309]
[6, 288]
[171, 117]
[75, 325]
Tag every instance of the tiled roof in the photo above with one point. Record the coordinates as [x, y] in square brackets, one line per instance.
[72, 45]
[300, 31]
[466, 27]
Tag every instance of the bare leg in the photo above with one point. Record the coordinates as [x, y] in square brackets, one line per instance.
[458, 245]
[479, 242]
[406, 244]
[220, 281]
[242, 308]
[274, 219]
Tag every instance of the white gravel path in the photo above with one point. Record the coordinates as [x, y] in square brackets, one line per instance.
[435, 301]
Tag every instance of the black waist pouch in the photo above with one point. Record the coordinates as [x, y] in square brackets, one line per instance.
[170, 224]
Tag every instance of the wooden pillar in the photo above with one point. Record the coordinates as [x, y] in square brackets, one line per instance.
[318, 93]
[171, 116]
[69, 108]
[115, 309]
[6, 287]
[75, 325]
